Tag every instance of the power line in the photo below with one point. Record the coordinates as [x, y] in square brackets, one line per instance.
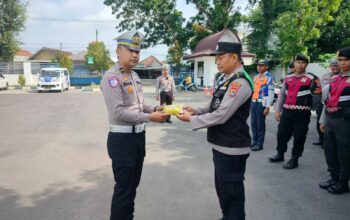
[69, 20]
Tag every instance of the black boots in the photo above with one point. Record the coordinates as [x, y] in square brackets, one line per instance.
[291, 164]
[342, 186]
[329, 183]
[278, 158]
[257, 148]
[317, 143]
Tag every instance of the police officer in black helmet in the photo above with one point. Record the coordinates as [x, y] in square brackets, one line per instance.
[228, 132]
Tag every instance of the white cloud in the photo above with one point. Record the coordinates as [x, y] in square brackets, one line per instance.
[42, 8]
[76, 35]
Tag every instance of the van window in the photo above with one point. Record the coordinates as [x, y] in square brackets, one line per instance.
[50, 73]
[66, 73]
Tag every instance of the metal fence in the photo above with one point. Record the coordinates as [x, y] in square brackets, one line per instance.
[11, 68]
[36, 67]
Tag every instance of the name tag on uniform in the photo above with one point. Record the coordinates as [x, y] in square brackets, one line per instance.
[127, 83]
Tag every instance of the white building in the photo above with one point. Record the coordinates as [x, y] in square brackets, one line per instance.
[204, 63]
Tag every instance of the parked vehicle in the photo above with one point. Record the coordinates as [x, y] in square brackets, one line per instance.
[3, 82]
[191, 87]
[53, 79]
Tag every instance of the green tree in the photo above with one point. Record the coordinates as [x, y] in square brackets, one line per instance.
[302, 24]
[100, 54]
[164, 24]
[64, 61]
[261, 38]
[12, 19]
[160, 20]
[334, 35]
[212, 17]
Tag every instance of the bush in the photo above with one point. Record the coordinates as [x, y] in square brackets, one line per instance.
[21, 80]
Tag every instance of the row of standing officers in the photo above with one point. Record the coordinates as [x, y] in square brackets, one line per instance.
[302, 92]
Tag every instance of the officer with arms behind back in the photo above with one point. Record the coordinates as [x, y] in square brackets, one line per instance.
[127, 114]
[335, 123]
[165, 87]
[333, 65]
[228, 132]
[301, 92]
[264, 87]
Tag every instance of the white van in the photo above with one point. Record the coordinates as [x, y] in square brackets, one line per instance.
[3, 82]
[53, 79]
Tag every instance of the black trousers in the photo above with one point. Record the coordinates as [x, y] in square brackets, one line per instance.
[337, 146]
[127, 151]
[319, 113]
[229, 176]
[166, 98]
[296, 123]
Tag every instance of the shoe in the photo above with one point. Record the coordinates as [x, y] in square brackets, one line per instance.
[291, 164]
[257, 148]
[277, 158]
[342, 186]
[317, 143]
[253, 145]
[329, 183]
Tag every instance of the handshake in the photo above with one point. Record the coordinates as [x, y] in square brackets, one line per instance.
[162, 113]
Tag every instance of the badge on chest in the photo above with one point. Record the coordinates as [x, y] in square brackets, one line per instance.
[303, 79]
[130, 89]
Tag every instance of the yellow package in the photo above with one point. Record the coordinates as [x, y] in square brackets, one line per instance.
[173, 109]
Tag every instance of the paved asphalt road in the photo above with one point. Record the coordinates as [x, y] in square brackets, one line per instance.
[54, 166]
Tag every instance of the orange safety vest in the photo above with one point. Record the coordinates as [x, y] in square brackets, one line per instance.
[259, 82]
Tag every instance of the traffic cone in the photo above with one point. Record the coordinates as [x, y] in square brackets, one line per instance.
[211, 91]
[206, 91]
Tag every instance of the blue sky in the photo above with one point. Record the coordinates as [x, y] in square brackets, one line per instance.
[75, 36]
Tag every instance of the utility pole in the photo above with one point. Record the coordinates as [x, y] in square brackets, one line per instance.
[96, 35]
[61, 46]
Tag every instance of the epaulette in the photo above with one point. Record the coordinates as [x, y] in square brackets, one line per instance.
[246, 76]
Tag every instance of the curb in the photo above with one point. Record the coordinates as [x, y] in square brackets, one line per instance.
[87, 89]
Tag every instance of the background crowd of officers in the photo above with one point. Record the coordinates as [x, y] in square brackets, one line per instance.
[302, 92]
[235, 97]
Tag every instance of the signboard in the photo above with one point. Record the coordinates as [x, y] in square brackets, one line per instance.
[90, 60]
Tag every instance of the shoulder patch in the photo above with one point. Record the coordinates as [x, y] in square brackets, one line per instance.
[235, 86]
[113, 82]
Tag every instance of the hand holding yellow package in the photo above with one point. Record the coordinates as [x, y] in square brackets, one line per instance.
[173, 109]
